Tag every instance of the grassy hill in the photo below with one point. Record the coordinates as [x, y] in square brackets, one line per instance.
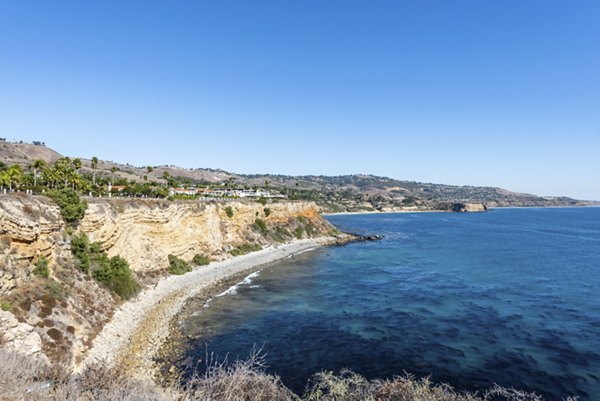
[357, 192]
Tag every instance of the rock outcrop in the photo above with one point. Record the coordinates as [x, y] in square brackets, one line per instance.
[471, 207]
[19, 336]
[462, 207]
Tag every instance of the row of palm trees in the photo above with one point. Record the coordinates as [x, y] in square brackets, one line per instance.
[64, 173]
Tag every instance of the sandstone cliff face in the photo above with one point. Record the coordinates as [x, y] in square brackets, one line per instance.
[68, 309]
[145, 233]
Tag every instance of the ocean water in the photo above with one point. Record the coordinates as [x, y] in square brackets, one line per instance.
[509, 296]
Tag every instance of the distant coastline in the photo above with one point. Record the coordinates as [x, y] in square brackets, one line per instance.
[366, 212]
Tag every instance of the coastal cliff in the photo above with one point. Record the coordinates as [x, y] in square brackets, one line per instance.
[60, 313]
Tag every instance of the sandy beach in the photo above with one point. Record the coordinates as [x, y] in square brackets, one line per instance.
[140, 326]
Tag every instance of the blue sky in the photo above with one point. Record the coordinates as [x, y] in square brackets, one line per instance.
[503, 93]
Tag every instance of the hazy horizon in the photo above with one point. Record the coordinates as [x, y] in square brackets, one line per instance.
[502, 94]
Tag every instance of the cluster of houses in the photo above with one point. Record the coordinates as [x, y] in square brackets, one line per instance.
[225, 192]
[211, 192]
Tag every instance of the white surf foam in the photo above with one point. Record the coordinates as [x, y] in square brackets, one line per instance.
[246, 281]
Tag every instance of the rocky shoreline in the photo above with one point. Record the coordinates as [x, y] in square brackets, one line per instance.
[142, 326]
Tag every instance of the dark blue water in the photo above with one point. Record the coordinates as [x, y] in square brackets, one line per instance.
[509, 297]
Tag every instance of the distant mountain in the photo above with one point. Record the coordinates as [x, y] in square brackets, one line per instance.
[357, 192]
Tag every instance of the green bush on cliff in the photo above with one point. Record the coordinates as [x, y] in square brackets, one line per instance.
[229, 211]
[116, 276]
[201, 260]
[72, 208]
[267, 211]
[299, 232]
[55, 290]
[178, 266]
[310, 229]
[244, 249]
[113, 273]
[5, 306]
[80, 247]
[41, 267]
[260, 225]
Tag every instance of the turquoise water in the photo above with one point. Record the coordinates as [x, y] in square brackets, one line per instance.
[509, 297]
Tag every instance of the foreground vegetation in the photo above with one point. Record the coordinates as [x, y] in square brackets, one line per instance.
[113, 273]
[27, 379]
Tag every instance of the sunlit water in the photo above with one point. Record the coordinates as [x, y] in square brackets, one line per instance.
[508, 296]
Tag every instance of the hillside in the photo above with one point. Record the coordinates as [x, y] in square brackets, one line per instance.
[358, 192]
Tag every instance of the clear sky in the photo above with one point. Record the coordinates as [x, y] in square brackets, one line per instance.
[494, 92]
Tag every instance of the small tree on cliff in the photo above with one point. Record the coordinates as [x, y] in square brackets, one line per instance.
[72, 208]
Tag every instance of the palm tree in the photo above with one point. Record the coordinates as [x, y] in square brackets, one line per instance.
[14, 175]
[94, 165]
[75, 177]
[63, 171]
[35, 166]
[113, 170]
[3, 179]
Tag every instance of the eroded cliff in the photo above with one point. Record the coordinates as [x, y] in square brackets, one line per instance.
[68, 308]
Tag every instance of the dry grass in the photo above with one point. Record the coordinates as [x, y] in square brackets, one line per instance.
[28, 379]
[240, 381]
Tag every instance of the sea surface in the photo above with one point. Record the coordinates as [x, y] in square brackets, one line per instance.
[510, 296]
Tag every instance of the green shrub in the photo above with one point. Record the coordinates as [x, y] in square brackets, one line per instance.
[262, 201]
[244, 249]
[113, 273]
[302, 219]
[116, 276]
[178, 266]
[201, 260]
[298, 232]
[281, 234]
[41, 267]
[55, 290]
[229, 211]
[261, 226]
[267, 211]
[311, 230]
[72, 208]
[80, 247]
[5, 306]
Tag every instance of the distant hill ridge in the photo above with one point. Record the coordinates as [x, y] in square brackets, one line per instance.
[356, 192]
